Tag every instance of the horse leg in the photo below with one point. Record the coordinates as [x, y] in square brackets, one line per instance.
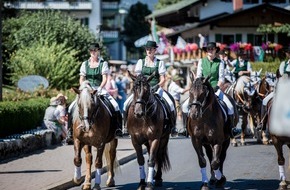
[111, 162]
[98, 166]
[208, 151]
[141, 161]
[88, 178]
[202, 163]
[215, 164]
[77, 162]
[151, 163]
[281, 162]
[244, 128]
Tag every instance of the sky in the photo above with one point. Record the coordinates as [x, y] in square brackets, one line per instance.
[128, 3]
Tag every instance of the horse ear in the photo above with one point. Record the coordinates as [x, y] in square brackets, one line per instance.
[278, 74]
[133, 77]
[151, 76]
[192, 75]
[259, 73]
[77, 91]
[207, 79]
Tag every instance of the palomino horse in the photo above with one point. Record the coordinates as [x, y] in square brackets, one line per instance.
[93, 126]
[249, 105]
[278, 127]
[208, 128]
[147, 126]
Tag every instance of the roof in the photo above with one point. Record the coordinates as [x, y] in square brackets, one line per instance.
[171, 8]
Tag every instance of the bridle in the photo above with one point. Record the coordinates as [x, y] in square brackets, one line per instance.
[201, 105]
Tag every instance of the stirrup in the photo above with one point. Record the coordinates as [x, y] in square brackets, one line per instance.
[236, 132]
[118, 133]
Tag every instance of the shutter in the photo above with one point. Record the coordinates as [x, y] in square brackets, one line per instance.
[218, 38]
[250, 38]
[238, 37]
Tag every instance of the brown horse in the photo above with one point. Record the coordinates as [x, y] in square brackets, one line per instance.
[93, 126]
[279, 139]
[147, 126]
[208, 128]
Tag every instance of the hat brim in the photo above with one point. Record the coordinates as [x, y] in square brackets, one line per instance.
[150, 46]
[205, 49]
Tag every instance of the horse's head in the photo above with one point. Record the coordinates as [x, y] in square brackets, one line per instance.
[143, 96]
[249, 94]
[229, 76]
[199, 96]
[86, 104]
[256, 76]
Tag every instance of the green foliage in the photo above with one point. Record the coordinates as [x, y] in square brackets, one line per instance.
[16, 117]
[266, 66]
[31, 27]
[164, 3]
[269, 28]
[56, 62]
[135, 25]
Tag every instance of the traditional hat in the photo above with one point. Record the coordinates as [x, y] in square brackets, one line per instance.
[94, 46]
[224, 52]
[177, 78]
[53, 101]
[287, 50]
[241, 53]
[211, 45]
[150, 44]
[61, 95]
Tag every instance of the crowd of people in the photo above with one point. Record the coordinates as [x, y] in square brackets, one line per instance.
[117, 85]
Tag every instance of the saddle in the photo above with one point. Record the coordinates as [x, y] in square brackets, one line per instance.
[110, 108]
[169, 118]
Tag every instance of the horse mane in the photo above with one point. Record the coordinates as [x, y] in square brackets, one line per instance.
[240, 84]
[84, 96]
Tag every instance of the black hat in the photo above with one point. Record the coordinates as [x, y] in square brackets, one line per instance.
[151, 44]
[241, 53]
[94, 46]
[211, 45]
[224, 52]
[287, 50]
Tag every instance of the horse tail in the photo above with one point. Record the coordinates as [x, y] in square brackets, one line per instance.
[162, 155]
[108, 157]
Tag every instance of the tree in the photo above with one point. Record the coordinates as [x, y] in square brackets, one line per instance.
[53, 27]
[135, 25]
[164, 3]
[278, 28]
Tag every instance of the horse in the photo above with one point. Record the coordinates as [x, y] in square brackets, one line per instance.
[93, 126]
[279, 139]
[207, 127]
[146, 124]
[249, 106]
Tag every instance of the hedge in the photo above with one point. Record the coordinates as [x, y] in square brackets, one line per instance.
[20, 116]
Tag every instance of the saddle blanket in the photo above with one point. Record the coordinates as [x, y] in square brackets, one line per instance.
[280, 113]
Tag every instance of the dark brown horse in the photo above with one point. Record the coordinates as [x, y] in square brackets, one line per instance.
[147, 126]
[208, 128]
[279, 139]
[93, 126]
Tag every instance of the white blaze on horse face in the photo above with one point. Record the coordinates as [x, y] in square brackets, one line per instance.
[249, 88]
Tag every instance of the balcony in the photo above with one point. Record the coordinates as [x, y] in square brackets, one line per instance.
[110, 36]
[58, 5]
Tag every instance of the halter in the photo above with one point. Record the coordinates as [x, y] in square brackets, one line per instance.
[200, 105]
[147, 106]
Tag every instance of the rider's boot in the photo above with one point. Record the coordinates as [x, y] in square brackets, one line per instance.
[234, 131]
[119, 132]
[263, 118]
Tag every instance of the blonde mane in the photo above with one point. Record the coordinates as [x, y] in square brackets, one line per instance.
[240, 84]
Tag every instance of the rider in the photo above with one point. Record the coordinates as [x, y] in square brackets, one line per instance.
[147, 67]
[96, 70]
[284, 68]
[242, 65]
[210, 65]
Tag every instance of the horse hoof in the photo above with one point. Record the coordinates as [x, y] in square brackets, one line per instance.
[149, 186]
[86, 186]
[265, 142]
[111, 183]
[212, 181]
[141, 185]
[243, 144]
[204, 186]
[158, 183]
[283, 185]
[235, 144]
[97, 187]
[77, 181]
[220, 183]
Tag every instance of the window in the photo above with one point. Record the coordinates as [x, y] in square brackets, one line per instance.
[274, 1]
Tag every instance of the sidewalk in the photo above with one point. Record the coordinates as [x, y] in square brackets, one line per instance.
[51, 168]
